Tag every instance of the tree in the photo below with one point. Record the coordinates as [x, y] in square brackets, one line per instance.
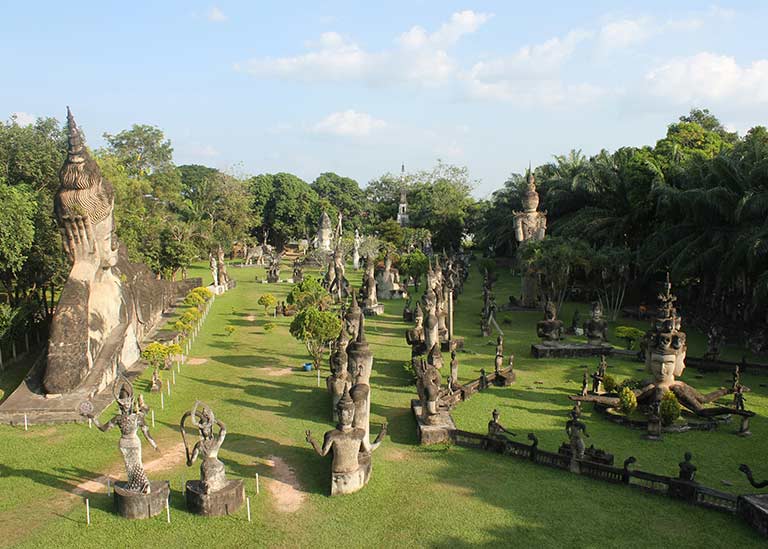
[17, 231]
[291, 210]
[316, 329]
[267, 301]
[344, 194]
[414, 265]
[142, 150]
[309, 293]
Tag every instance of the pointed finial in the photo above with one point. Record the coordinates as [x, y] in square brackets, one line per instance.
[402, 168]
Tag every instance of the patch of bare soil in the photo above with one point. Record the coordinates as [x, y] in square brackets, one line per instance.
[250, 318]
[197, 361]
[284, 486]
[395, 454]
[277, 372]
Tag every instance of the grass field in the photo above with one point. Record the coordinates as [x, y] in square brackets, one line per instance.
[428, 497]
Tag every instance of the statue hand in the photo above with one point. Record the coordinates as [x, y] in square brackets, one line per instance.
[308, 433]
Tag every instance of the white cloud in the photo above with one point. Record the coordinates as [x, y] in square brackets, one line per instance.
[23, 118]
[349, 123]
[531, 75]
[418, 56]
[623, 33]
[708, 77]
[215, 15]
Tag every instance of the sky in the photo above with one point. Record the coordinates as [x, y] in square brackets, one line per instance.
[359, 88]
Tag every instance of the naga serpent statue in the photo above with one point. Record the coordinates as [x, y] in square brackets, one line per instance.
[748, 472]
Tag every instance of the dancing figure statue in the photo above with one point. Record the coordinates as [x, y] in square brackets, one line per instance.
[212, 475]
[129, 420]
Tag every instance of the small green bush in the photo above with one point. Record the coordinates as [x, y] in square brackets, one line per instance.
[631, 384]
[670, 408]
[267, 301]
[269, 326]
[627, 401]
[203, 292]
[631, 335]
[408, 368]
[609, 383]
[230, 330]
[194, 300]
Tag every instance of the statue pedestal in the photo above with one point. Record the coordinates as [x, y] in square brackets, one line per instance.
[376, 310]
[439, 431]
[349, 483]
[754, 510]
[215, 504]
[559, 349]
[133, 505]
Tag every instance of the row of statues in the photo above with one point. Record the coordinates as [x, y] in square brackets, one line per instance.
[219, 272]
[550, 330]
[349, 387]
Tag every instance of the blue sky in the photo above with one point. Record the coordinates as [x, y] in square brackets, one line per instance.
[359, 88]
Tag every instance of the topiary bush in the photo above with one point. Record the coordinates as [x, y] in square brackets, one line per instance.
[631, 335]
[269, 326]
[609, 383]
[670, 408]
[627, 401]
[631, 384]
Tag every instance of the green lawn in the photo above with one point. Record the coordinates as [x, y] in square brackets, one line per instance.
[417, 496]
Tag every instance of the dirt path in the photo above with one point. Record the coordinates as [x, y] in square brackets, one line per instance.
[277, 372]
[284, 487]
[197, 361]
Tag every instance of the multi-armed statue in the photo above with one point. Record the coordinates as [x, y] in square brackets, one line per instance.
[138, 497]
[213, 494]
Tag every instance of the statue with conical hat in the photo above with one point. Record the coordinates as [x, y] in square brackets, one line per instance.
[415, 336]
[107, 304]
[324, 233]
[339, 380]
[371, 305]
[351, 466]
[352, 317]
[530, 224]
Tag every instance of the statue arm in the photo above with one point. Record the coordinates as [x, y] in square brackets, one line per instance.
[193, 456]
[327, 443]
[222, 431]
[145, 430]
[103, 427]
[378, 441]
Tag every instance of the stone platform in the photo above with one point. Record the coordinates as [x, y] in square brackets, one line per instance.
[132, 505]
[349, 483]
[569, 350]
[376, 310]
[754, 509]
[215, 504]
[436, 433]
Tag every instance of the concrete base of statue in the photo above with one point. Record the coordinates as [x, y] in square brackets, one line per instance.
[215, 504]
[133, 505]
[376, 310]
[560, 349]
[349, 483]
[437, 431]
[754, 510]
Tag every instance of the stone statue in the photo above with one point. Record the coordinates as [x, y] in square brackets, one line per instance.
[687, 469]
[129, 420]
[431, 381]
[323, 239]
[371, 305]
[108, 304]
[273, 271]
[574, 428]
[352, 318]
[748, 472]
[530, 224]
[599, 376]
[415, 336]
[714, 342]
[584, 383]
[453, 380]
[221, 268]
[339, 381]
[499, 355]
[356, 251]
[157, 383]
[596, 328]
[665, 361]
[495, 429]
[214, 270]
[298, 273]
[339, 285]
[351, 466]
[550, 329]
[388, 281]
[212, 476]
[738, 398]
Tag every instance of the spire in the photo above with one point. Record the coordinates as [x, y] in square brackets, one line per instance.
[74, 139]
[361, 333]
[345, 402]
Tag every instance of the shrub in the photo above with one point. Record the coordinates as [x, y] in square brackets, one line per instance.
[190, 316]
[631, 384]
[230, 330]
[408, 368]
[670, 408]
[182, 327]
[627, 401]
[269, 326]
[267, 301]
[204, 292]
[609, 383]
[631, 335]
[194, 300]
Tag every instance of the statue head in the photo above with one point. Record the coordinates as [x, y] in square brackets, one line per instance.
[122, 390]
[84, 202]
[345, 409]
[530, 196]
[666, 344]
[597, 310]
[495, 415]
[499, 340]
